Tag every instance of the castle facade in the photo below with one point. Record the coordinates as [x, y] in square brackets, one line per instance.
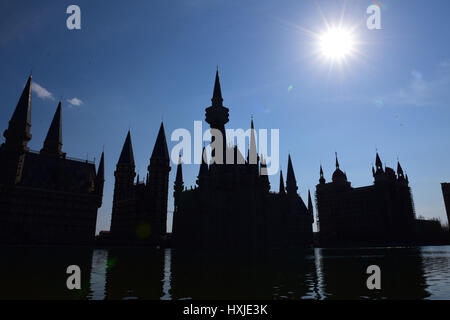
[45, 196]
[382, 213]
[232, 206]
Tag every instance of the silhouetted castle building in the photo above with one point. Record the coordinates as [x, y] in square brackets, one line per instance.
[382, 213]
[139, 213]
[45, 197]
[232, 208]
[446, 194]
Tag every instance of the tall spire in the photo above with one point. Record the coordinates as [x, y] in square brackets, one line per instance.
[18, 132]
[100, 180]
[291, 183]
[399, 168]
[160, 150]
[282, 189]
[217, 99]
[322, 178]
[378, 163]
[53, 141]
[337, 161]
[101, 169]
[252, 157]
[179, 176]
[310, 205]
[126, 156]
[400, 174]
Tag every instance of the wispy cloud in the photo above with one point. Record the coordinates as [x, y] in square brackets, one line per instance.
[41, 92]
[75, 102]
[421, 91]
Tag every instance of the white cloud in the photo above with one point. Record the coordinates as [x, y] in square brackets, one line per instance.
[42, 92]
[421, 91]
[75, 102]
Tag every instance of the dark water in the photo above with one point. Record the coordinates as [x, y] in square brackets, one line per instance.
[406, 273]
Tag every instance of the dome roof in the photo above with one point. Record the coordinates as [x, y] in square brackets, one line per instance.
[339, 176]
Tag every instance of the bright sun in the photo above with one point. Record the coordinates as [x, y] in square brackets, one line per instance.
[337, 44]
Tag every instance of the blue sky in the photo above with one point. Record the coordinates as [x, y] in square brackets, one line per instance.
[132, 65]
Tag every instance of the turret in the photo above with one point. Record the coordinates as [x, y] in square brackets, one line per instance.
[379, 173]
[53, 141]
[252, 157]
[203, 171]
[178, 186]
[338, 175]
[310, 205]
[158, 171]
[100, 179]
[12, 151]
[125, 171]
[18, 133]
[291, 182]
[378, 164]
[282, 190]
[322, 178]
[217, 114]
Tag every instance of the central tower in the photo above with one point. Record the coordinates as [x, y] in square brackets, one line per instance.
[217, 114]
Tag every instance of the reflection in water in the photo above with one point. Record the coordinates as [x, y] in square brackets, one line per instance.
[167, 275]
[344, 273]
[98, 275]
[140, 273]
[40, 273]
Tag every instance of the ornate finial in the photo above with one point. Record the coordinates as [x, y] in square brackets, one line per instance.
[337, 161]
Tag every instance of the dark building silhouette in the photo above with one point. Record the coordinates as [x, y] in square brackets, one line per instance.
[446, 194]
[139, 213]
[382, 213]
[45, 197]
[232, 208]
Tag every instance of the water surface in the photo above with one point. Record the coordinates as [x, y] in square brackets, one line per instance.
[139, 273]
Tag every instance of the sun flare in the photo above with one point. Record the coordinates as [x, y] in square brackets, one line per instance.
[337, 44]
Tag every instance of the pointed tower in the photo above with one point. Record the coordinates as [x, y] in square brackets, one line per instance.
[203, 171]
[217, 115]
[400, 174]
[338, 176]
[282, 190]
[158, 172]
[100, 179]
[12, 151]
[252, 157]
[337, 161]
[379, 174]
[125, 171]
[310, 205]
[291, 182]
[53, 141]
[18, 133]
[379, 164]
[322, 178]
[178, 186]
